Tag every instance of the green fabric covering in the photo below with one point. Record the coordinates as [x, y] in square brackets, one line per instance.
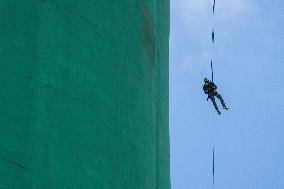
[84, 94]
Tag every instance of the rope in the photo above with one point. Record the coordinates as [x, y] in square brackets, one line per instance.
[212, 77]
[213, 39]
[213, 36]
[214, 6]
[213, 168]
[212, 73]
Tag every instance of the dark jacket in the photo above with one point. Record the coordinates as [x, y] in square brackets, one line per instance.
[209, 88]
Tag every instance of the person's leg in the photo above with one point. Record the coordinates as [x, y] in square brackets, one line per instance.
[221, 99]
[215, 105]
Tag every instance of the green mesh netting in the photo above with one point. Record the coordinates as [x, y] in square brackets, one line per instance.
[84, 94]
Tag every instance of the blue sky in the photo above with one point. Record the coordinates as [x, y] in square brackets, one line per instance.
[249, 68]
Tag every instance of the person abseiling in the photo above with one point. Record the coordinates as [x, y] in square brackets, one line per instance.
[210, 89]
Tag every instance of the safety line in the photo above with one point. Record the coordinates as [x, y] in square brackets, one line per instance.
[213, 40]
[212, 77]
[213, 167]
[214, 6]
[212, 72]
[213, 36]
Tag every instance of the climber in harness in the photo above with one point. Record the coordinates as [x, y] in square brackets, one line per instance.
[210, 89]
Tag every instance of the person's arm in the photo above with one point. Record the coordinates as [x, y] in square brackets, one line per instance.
[213, 85]
[205, 89]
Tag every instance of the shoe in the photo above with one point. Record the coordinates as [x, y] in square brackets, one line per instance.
[219, 112]
[225, 108]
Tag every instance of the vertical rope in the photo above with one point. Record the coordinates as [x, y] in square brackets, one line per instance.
[213, 39]
[212, 76]
[214, 6]
[212, 73]
[213, 168]
[213, 36]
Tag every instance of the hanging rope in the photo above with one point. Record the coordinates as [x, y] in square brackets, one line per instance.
[212, 77]
[213, 39]
[213, 168]
[212, 73]
[213, 36]
[214, 6]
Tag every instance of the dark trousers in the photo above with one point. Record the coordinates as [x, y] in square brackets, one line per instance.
[211, 96]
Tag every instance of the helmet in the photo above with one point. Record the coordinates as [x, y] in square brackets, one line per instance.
[206, 80]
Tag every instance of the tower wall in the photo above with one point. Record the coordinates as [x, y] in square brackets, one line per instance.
[84, 94]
